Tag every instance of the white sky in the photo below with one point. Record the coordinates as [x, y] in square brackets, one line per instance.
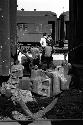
[57, 6]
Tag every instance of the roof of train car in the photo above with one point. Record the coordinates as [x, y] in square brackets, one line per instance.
[35, 13]
[66, 15]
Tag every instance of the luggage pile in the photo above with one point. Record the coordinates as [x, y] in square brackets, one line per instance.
[50, 82]
[41, 83]
[19, 89]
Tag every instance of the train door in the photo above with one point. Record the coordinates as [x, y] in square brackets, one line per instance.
[53, 29]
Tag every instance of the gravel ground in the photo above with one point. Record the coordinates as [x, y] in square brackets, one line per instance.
[69, 106]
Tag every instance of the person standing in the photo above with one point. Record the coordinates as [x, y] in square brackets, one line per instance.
[26, 61]
[43, 40]
[36, 56]
[46, 57]
[43, 43]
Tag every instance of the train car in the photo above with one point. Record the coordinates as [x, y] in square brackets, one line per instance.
[7, 35]
[32, 24]
[63, 28]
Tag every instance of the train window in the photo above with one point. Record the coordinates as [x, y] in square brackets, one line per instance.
[25, 27]
[38, 28]
[20, 26]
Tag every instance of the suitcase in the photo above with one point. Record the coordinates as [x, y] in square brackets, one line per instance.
[42, 84]
[55, 81]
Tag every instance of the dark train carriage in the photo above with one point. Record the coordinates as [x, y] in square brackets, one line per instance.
[7, 35]
[32, 24]
[63, 27]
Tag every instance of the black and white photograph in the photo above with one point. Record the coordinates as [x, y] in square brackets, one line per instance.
[41, 62]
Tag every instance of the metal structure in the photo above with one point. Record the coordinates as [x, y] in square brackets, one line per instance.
[7, 35]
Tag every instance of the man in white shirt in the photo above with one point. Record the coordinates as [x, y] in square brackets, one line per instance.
[43, 40]
[46, 56]
[20, 55]
[43, 44]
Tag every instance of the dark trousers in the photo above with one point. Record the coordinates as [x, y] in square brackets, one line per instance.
[46, 60]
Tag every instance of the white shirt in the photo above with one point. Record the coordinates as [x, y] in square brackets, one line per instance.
[20, 56]
[43, 42]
